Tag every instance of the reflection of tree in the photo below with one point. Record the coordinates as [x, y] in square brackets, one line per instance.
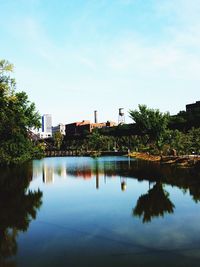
[195, 192]
[153, 204]
[18, 206]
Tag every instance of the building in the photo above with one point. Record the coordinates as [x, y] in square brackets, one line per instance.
[77, 128]
[103, 125]
[44, 135]
[46, 127]
[81, 128]
[47, 123]
[60, 128]
[193, 108]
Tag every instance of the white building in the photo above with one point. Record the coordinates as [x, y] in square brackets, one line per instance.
[47, 123]
[59, 129]
[43, 135]
[46, 127]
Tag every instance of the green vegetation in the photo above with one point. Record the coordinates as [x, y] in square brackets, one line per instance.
[57, 139]
[150, 122]
[151, 131]
[184, 121]
[17, 117]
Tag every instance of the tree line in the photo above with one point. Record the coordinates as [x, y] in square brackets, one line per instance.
[152, 131]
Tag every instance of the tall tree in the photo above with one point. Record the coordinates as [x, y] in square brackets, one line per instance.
[17, 117]
[150, 122]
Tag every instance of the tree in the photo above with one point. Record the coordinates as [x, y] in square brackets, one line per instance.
[150, 122]
[58, 138]
[17, 117]
[194, 135]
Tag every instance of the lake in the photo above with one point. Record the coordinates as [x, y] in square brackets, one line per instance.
[106, 211]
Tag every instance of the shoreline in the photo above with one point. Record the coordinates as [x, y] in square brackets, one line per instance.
[189, 161]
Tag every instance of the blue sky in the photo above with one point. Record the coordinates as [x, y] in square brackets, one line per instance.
[73, 57]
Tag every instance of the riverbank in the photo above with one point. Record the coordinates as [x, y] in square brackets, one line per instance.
[65, 153]
[181, 161]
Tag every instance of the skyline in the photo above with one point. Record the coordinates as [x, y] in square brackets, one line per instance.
[72, 58]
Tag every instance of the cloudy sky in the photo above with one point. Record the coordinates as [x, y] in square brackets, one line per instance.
[72, 57]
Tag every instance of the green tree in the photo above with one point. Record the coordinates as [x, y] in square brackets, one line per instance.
[150, 122]
[180, 142]
[194, 135]
[96, 141]
[57, 138]
[17, 117]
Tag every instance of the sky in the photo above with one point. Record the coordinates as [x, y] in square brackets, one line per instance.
[74, 57]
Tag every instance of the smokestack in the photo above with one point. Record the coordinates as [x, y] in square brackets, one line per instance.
[95, 116]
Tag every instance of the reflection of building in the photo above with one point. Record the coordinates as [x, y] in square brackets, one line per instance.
[84, 173]
[48, 174]
[63, 172]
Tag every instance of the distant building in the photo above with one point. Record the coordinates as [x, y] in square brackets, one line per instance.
[77, 128]
[193, 108]
[60, 128]
[46, 127]
[103, 125]
[47, 123]
[80, 128]
[43, 135]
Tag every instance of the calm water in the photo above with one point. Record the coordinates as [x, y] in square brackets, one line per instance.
[109, 211]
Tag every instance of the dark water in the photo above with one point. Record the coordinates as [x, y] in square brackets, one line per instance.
[109, 211]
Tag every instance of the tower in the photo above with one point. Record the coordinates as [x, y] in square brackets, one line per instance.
[95, 117]
[121, 116]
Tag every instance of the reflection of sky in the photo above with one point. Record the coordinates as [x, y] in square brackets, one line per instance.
[76, 219]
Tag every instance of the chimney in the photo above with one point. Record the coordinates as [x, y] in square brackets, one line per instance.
[95, 116]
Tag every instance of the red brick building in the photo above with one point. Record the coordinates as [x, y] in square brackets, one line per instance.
[80, 128]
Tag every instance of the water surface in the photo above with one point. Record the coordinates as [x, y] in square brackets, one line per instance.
[108, 211]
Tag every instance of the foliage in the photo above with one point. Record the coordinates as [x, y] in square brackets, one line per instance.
[185, 120]
[99, 142]
[183, 143]
[150, 122]
[38, 151]
[17, 117]
[57, 138]
[194, 135]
